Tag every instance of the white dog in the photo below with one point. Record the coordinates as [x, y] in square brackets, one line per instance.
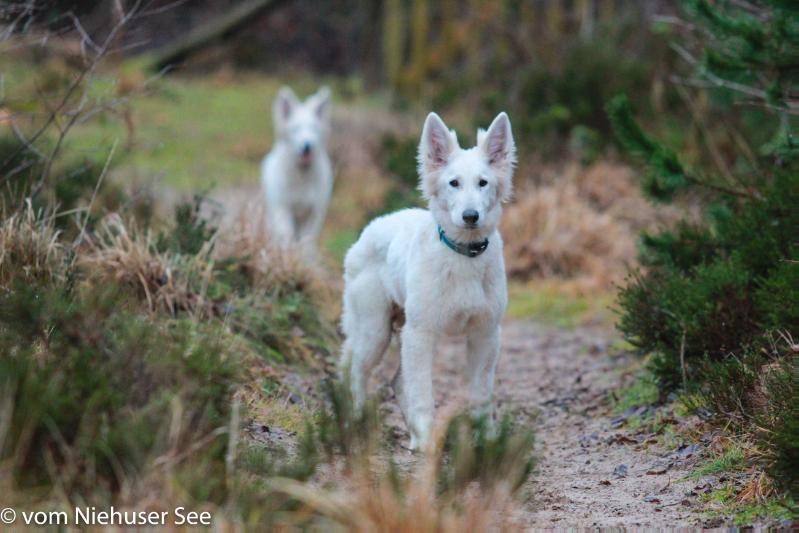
[297, 176]
[443, 267]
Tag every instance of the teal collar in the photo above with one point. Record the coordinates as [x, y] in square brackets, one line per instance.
[469, 249]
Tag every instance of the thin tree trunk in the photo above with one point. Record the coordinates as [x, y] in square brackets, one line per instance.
[393, 40]
[217, 28]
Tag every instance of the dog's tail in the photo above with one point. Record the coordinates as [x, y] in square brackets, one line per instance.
[357, 257]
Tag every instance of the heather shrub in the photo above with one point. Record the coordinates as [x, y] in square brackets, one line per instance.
[121, 364]
[94, 388]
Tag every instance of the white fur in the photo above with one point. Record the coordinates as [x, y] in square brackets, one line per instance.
[297, 185]
[398, 261]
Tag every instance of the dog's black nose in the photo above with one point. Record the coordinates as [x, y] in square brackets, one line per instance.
[306, 148]
[470, 216]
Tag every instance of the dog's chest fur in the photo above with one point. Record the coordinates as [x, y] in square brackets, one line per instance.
[464, 292]
[441, 289]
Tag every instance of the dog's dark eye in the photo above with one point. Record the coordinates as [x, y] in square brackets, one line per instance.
[482, 183]
[453, 183]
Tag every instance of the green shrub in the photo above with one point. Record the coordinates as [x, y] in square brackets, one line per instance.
[572, 93]
[779, 422]
[190, 233]
[104, 389]
[94, 388]
[72, 182]
[714, 295]
[710, 291]
[399, 156]
[478, 452]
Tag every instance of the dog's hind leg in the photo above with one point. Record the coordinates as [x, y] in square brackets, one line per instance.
[366, 322]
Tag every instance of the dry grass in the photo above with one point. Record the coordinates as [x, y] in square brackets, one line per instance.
[29, 247]
[582, 225]
[243, 235]
[122, 254]
[367, 498]
[361, 182]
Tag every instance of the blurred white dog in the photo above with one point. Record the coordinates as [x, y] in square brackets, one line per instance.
[297, 175]
[443, 267]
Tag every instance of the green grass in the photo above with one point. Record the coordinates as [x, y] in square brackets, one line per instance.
[192, 133]
[643, 391]
[551, 303]
[340, 241]
[733, 459]
[723, 503]
[745, 514]
[189, 132]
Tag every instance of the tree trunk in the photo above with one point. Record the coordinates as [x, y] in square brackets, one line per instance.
[216, 28]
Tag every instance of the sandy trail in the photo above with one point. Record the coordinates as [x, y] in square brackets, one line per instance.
[558, 381]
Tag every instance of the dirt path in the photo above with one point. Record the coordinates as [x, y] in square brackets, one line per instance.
[591, 472]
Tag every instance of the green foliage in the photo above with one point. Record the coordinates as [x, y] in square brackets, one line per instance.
[399, 157]
[710, 291]
[92, 387]
[72, 183]
[277, 314]
[479, 452]
[779, 421]
[742, 39]
[715, 294]
[642, 392]
[102, 389]
[726, 504]
[665, 175]
[343, 429]
[572, 92]
[555, 90]
[731, 460]
[190, 233]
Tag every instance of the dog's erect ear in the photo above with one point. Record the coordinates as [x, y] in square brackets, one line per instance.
[436, 147]
[284, 105]
[321, 103]
[500, 151]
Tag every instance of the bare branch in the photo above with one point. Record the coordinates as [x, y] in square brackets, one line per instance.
[85, 37]
[716, 80]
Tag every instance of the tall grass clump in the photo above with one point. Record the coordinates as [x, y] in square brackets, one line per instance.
[130, 345]
[467, 480]
[120, 363]
[712, 295]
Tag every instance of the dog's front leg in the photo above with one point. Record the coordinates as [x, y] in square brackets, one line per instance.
[483, 352]
[418, 345]
[310, 231]
[281, 226]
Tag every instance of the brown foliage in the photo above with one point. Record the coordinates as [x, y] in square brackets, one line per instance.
[581, 225]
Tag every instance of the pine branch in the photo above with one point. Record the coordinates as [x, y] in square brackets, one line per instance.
[665, 174]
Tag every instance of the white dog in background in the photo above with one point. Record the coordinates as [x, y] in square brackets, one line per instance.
[443, 267]
[297, 175]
